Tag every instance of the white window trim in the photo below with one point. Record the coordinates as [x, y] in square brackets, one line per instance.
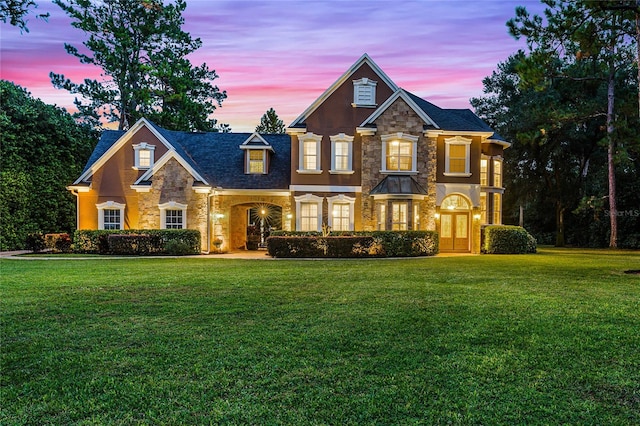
[301, 140]
[248, 161]
[172, 205]
[341, 137]
[109, 205]
[143, 146]
[458, 140]
[401, 137]
[361, 83]
[308, 198]
[342, 199]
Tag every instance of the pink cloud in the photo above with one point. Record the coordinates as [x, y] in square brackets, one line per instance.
[284, 54]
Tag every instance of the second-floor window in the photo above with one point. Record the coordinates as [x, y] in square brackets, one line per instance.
[457, 157]
[309, 161]
[399, 153]
[341, 153]
[144, 154]
[256, 161]
[497, 173]
[484, 172]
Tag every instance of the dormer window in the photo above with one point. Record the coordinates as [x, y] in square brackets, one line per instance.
[144, 155]
[256, 161]
[256, 158]
[364, 93]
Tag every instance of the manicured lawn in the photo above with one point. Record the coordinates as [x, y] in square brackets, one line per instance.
[551, 338]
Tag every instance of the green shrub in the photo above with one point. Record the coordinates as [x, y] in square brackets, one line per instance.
[58, 243]
[155, 241]
[353, 244]
[35, 242]
[507, 239]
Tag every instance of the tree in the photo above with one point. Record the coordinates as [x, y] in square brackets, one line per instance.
[16, 11]
[142, 50]
[270, 123]
[554, 137]
[584, 33]
[43, 150]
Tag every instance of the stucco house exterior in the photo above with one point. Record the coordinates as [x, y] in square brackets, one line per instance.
[365, 155]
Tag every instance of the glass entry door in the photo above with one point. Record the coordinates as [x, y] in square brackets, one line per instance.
[454, 231]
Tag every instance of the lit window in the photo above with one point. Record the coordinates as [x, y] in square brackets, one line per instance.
[497, 173]
[308, 217]
[416, 216]
[309, 212]
[110, 215]
[173, 215]
[399, 216]
[497, 209]
[143, 155]
[341, 153]
[256, 161]
[364, 92]
[457, 157]
[399, 156]
[310, 153]
[341, 214]
[399, 153]
[382, 217]
[483, 207]
[484, 180]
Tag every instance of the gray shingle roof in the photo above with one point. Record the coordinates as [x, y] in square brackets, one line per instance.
[217, 157]
[453, 119]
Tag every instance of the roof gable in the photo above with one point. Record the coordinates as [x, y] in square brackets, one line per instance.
[112, 141]
[364, 59]
[255, 141]
[400, 94]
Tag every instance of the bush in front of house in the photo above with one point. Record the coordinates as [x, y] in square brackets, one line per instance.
[344, 244]
[507, 239]
[58, 243]
[138, 241]
[35, 242]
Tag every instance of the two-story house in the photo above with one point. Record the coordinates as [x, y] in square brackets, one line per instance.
[366, 155]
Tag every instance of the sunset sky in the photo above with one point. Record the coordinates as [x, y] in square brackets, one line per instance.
[284, 54]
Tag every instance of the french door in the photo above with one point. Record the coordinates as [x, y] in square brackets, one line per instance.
[454, 231]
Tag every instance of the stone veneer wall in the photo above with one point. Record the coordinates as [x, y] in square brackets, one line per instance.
[173, 183]
[399, 117]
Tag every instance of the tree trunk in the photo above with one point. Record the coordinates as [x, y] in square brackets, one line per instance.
[613, 211]
[560, 242]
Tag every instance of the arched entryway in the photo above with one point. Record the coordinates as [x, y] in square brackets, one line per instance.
[455, 224]
[252, 223]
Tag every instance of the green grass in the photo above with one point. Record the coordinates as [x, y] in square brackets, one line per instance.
[550, 338]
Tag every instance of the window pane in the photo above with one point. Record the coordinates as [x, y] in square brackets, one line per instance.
[310, 155]
[483, 172]
[256, 161]
[399, 156]
[445, 226]
[340, 217]
[458, 158]
[483, 207]
[497, 209]
[399, 216]
[457, 165]
[341, 160]
[173, 219]
[111, 218]
[497, 173]
[382, 217]
[144, 158]
[309, 217]
[461, 226]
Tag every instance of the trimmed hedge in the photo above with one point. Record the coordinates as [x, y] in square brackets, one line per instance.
[35, 242]
[353, 244]
[507, 239]
[137, 241]
[58, 243]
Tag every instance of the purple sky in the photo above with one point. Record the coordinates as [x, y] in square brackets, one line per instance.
[284, 54]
